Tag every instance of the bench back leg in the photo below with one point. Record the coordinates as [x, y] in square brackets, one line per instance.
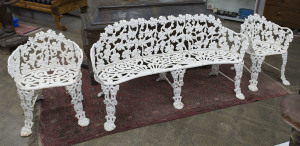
[237, 80]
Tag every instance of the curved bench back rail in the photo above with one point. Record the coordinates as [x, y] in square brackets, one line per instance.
[44, 51]
[176, 36]
[259, 30]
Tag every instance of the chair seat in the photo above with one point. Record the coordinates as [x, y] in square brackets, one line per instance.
[124, 70]
[264, 48]
[46, 78]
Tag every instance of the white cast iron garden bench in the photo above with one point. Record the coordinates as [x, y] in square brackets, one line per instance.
[265, 38]
[139, 47]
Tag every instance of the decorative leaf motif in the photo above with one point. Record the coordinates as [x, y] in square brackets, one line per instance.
[47, 51]
[130, 49]
[266, 37]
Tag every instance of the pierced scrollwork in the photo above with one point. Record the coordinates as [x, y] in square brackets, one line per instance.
[47, 60]
[265, 38]
[139, 47]
[42, 59]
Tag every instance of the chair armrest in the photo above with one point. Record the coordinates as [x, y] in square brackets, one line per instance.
[285, 35]
[13, 65]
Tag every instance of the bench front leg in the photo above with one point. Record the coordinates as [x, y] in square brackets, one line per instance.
[178, 83]
[110, 93]
[237, 80]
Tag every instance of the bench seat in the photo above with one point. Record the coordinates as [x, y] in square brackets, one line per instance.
[139, 47]
[128, 69]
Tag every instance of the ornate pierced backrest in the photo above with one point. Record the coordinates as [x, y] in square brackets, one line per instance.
[45, 51]
[138, 38]
[141, 38]
[258, 29]
[202, 32]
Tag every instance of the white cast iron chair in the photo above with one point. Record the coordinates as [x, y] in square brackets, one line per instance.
[266, 38]
[47, 60]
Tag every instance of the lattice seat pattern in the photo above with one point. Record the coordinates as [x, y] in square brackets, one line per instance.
[50, 77]
[139, 47]
[265, 38]
[47, 60]
[136, 67]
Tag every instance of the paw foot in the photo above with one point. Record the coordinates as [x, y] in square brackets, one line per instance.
[84, 122]
[178, 105]
[286, 82]
[253, 88]
[240, 96]
[109, 126]
[25, 131]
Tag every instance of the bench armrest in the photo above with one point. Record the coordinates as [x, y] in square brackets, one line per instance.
[238, 43]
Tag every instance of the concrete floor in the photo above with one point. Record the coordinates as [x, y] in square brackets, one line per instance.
[255, 124]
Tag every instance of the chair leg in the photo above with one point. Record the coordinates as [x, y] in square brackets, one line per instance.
[110, 93]
[57, 22]
[27, 104]
[178, 83]
[255, 69]
[214, 70]
[284, 61]
[237, 80]
[75, 91]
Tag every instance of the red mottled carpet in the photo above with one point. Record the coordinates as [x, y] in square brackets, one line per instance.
[143, 102]
[24, 29]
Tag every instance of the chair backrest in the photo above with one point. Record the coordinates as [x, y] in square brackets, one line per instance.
[141, 38]
[45, 50]
[259, 29]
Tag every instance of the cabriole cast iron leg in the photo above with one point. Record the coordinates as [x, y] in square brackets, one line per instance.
[255, 69]
[27, 104]
[75, 91]
[178, 83]
[237, 80]
[110, 93]
[284, 61]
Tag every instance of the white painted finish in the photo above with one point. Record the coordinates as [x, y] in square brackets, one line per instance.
[265, 38]
[139, 47]
[47, 60]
